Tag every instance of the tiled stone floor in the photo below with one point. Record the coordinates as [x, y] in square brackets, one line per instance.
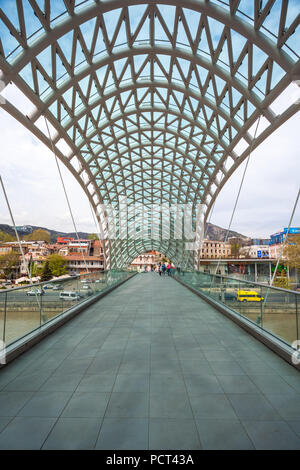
[150, 366]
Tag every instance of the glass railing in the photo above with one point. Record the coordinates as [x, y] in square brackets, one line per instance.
[25, 309]
[273, 309]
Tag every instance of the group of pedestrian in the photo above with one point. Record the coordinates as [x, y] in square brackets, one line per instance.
[169, 269]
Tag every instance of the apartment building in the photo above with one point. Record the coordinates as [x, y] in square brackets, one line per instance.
[77, 264]
[147, 261]
[215, 249]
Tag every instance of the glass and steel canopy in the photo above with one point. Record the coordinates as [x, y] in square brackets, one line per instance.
[151, 101]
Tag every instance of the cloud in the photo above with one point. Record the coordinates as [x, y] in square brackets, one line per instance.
[270, 186]
[32, 181]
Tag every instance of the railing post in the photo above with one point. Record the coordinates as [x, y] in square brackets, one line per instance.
[297, 320]
[4, 317]
[261, 311]
[41, 311]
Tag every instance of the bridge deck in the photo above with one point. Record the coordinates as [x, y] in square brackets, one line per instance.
[150, 366]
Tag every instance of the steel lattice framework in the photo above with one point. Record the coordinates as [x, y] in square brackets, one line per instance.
[152, 101]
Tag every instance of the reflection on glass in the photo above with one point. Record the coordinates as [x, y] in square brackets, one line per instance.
[272, 309]
[22, 312]
[24, 309]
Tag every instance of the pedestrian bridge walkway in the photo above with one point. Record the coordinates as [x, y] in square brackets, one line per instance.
[150, 366]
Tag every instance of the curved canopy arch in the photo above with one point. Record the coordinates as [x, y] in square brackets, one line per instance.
[150, 100]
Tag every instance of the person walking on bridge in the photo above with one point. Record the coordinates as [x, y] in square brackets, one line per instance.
[163, 268]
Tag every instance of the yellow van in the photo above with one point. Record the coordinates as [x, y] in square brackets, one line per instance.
[249, 296]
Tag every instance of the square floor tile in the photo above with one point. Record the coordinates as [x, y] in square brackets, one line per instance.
[26, 433]
[257, 368]
[4, 421]
[293, 380]
[165, 383]
[287, 405]
[132, 383]
[103, 366]
[254, 406]
[271, 384]
[165, 366]
[27, 383]
[123, 434]
[73, 434]
[226, 368]
[12, 402]
[61, 383]
[212, 406]
[196, 368]
[86, 405]
[295, 425]
[272, 435]
[170, 405]
[6, 377]
[223, 434]
[46, 404]
[134, 367]
[172, 434]
[197, 384]
[237, 384]
[128, 405]
[218, 355]
[96, 383]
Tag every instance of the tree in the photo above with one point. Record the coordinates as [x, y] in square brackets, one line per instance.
[93, 236]
[281, 281]
[38, 235]
[6, 237]
[46, 273]
[8, 263]
[292, 251]
[235, 249]
[57, 264]
[36, 270]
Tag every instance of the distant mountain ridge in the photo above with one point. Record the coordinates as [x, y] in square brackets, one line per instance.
[53, 233]
[212, 232]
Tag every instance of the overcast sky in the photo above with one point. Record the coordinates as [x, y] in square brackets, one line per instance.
[30, 175]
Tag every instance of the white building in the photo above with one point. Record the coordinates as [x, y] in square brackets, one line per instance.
[147, 261]
[255, 251]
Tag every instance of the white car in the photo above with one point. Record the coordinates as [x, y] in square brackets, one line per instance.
[69, 295]
[35, 292]
[57, 287]
[49, 286]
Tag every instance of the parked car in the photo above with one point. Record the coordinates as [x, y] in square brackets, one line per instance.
[49, 286]
[69, 295]
[57, 287]
[228, 296]
[35, 292]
